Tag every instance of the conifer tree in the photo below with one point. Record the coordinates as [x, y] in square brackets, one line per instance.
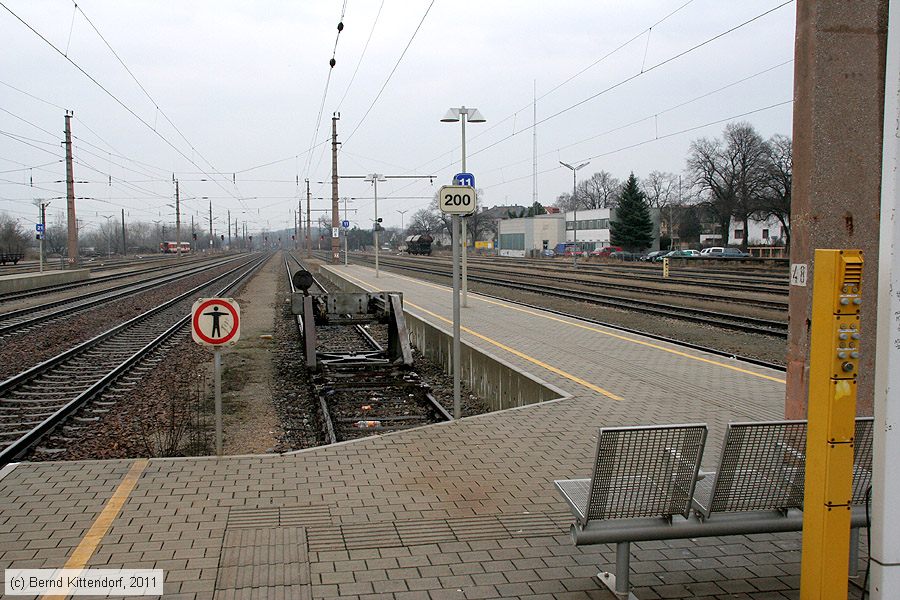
[632, 229]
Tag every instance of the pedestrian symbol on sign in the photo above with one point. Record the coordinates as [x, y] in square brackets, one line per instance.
[216, 317]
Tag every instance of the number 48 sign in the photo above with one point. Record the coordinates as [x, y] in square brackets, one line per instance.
[457, 199]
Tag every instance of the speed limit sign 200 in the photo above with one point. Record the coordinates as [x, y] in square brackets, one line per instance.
[457, 199]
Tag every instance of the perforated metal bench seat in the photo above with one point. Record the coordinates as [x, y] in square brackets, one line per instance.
[757, 488]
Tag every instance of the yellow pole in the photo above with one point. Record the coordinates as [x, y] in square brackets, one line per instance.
[834, 362]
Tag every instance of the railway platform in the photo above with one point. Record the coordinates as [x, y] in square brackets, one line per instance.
[456, 510]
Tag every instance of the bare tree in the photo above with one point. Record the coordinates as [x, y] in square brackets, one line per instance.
[750, 153]
[775, 200]
[663, 192]
[600, 190]
[424, 222]
[730, 173]
[713, 174]
[661, 189]
[13, 237]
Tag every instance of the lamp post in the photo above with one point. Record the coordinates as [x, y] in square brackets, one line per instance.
[461, 114]
[108, 252]
[374, 178]
[472, 115]
[574, 209]
[402, 212]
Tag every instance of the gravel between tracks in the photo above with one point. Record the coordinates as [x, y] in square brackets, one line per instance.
[20, 352]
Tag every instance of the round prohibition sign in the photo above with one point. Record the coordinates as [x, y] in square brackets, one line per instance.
[235, 319]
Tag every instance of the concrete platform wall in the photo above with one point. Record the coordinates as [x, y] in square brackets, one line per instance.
[29, 281]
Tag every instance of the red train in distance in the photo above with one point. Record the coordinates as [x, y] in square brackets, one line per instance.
[172, 247]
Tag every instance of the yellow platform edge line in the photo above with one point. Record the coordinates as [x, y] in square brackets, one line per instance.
[88, 545]
[522, 355]
[611, 334]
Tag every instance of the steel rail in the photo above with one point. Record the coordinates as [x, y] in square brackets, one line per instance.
[735, 322]
[70, 305]
[61, 287]
[36, 434]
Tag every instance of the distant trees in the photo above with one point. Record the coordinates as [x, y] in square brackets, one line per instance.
[741, 176]
[534, 210]
[13, 237]
[632, 229]
[600, 190]
[775, 198]
[424, 222]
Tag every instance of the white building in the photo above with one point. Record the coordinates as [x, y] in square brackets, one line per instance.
[767, 232]
[521, 237]
[530, 235]
[589, 229]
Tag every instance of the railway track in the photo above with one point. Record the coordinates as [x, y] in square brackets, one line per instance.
[358, 394]
[710, 278]
[35, 403]
[26, 319]
[74, 285]
[706, 317]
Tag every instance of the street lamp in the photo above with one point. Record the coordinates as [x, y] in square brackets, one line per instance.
[108, 253]
[374, 178]
[574, 209]
[463, 114]
[402, 212]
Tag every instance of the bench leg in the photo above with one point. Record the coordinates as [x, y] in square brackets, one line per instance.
[619, 583]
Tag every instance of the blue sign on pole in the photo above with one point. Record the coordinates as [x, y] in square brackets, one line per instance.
[464, 179]
[39, 227]
[345, 224]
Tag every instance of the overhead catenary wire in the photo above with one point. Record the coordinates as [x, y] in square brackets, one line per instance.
[635, 76]
[654, 139]
[391, 74]
[113, 96]
[146, 93]
[331, 65]
[645, 118]
[361, 56]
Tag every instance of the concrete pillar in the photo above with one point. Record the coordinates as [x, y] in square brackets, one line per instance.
[838, 115]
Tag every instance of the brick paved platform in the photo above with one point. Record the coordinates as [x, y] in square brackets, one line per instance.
[458, 510]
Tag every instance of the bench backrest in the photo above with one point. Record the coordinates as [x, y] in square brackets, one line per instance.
[645, 471]
[763, 466]
[862, 459]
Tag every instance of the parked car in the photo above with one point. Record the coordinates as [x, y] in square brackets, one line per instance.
[573, 252]
[629, 256]
[548, 252]
[733, 253]
[651, 256]
[605, 251]
[722, 252]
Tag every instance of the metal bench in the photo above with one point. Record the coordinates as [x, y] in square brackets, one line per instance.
[647, 486]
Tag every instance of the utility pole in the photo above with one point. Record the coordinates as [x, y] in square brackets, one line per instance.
[210, 227]
[308, 226]
[229, 229]
[124, 241]
[70, 195]
[177, 219]
[335, 242]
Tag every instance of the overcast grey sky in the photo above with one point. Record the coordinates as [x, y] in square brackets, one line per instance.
[243, 83]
